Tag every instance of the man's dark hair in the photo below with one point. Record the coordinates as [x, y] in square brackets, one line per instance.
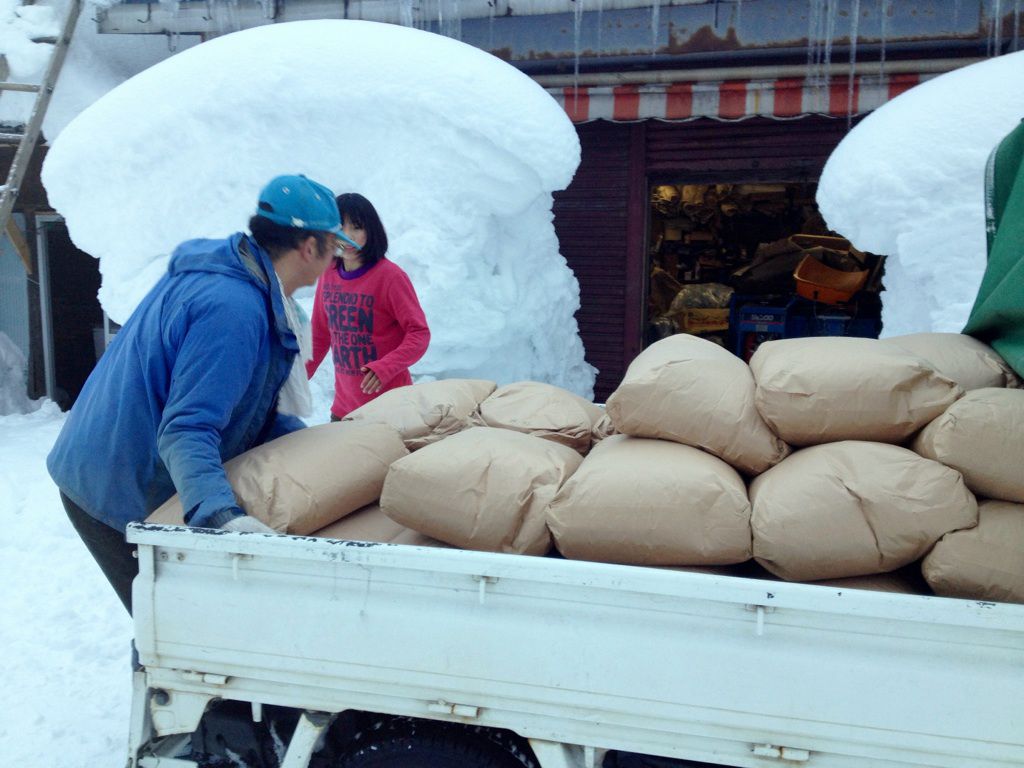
[276, 239]
[361, 212]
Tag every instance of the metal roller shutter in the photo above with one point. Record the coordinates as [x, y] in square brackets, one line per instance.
[757, 149]
[602, 246]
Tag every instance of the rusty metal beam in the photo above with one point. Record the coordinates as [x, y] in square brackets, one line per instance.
[17, 239]
[915, 66]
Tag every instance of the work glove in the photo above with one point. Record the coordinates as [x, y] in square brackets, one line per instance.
[246, 524]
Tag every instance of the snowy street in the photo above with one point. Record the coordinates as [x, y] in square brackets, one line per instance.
[66, 638]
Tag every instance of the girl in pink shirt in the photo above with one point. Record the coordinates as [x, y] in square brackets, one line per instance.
[366, 312]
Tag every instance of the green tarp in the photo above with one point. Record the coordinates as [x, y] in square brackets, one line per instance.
[998, 314]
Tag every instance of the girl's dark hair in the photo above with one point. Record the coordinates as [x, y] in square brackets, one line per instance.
[363, 214]
[275, 239]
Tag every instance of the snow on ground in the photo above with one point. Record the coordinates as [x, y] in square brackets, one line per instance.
[65, 637]
[459, 151]
[908, 182]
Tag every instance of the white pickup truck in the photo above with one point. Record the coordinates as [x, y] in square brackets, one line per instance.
[339, 654]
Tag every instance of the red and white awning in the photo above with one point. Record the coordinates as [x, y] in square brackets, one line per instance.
[781, 99]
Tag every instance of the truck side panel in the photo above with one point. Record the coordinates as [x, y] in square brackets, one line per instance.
[718, 669]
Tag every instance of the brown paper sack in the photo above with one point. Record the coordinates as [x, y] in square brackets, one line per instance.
[305, 480]
[692, 391]
[483, 489]
[371, 524]
[652, 502]
[970, 363]
[853, 509]
[428, 412]
[541, 410]
[601, 429]
[983, 563]
[982, 436]
[826, 389]
[600, 422]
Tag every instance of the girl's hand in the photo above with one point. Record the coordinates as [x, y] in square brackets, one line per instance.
[370, 383]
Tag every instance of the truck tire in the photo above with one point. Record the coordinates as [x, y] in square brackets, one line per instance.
[429, 751]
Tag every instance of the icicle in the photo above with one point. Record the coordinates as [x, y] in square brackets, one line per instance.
[174, 38]
[224, 15]
[821, 29]
[813, 35]
[446, 14]
[214, 14]
[996, 38]
[490, 24]
[577, 23]
[850, 80]
[655, 14]
[886, 8]
[831, 12]
[405, 13]
[1016, 25]
[820, 34]
[449, 19]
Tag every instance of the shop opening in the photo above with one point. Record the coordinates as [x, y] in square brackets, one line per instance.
[76, 330]
[744, 263]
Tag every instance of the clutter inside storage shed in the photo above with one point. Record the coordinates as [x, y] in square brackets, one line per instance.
[740, 264]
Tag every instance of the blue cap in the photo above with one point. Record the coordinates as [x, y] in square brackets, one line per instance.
[295, 201]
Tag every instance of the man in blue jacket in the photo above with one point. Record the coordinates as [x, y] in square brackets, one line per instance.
[192, 379]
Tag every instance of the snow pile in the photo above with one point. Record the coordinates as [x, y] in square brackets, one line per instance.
[65, 636]
[908, 182]
[13, 392]
[459, 151]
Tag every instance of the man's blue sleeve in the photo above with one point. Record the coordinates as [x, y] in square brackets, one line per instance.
[218, 338]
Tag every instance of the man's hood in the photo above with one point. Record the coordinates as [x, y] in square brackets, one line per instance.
[237, 256]
[221, 257]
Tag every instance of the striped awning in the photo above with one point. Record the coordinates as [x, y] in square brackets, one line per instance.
[781, 99]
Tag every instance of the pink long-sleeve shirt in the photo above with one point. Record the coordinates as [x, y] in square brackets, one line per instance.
[369, 317]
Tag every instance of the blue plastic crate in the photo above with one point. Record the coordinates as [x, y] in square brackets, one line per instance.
[762, 319]
[840, 324]
[753, 322]
[865, 327]
[832, 324]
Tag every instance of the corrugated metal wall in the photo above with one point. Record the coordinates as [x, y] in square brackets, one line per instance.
[25, 316]
[14, 320]
[601, 219]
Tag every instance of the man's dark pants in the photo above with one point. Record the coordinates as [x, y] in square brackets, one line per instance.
[114, 555]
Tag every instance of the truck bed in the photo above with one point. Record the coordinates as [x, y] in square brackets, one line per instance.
[721, 669]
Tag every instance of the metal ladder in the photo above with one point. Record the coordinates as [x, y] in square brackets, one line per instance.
[26, 140]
